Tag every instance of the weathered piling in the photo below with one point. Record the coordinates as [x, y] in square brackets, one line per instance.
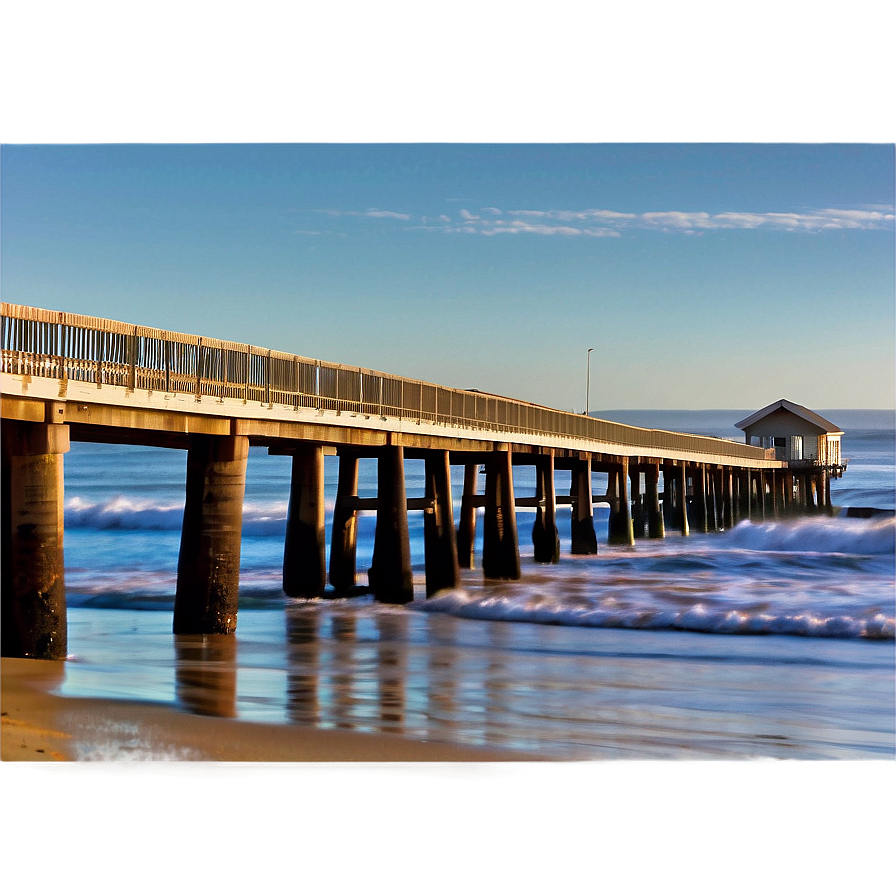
[208, 567]
[682, 499]
[34, 619]
[500, 546]
[584, 539]
[466, 532]
[390, 572]
[619, 528]
[655, 524]
[439, 537]
[638, 512]
[304, 553]
[545, 539]
[699, 520]
[344, 538]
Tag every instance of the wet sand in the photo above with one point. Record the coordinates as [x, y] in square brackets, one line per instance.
[38, 726]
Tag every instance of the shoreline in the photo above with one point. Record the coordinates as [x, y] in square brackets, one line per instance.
[39, 726]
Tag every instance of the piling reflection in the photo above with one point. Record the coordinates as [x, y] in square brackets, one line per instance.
[343, 630]
[391, 671]
[205, 674]
[303, 705]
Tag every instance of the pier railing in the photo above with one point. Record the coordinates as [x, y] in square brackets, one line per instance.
[60, 345]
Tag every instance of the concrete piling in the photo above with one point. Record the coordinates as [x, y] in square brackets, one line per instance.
[208, 567]
[34, 618]
[545, 538]
[620, 529]
[439, 537]
[584, 539]
[500, 546]
[344, 537]
[655, 523]
[304, 554]
[466, 532]
[390, 572]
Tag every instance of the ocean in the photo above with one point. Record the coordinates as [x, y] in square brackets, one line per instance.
[772, 640]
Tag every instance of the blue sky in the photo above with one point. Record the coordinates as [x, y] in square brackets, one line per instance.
[704, 276]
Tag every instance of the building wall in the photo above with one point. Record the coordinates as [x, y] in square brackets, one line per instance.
[783, 424]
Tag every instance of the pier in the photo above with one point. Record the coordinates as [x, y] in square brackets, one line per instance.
[69, 377]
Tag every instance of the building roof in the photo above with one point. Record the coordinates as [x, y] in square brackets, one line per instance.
[798, 409]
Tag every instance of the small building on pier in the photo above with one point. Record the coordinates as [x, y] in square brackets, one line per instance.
[799, 436]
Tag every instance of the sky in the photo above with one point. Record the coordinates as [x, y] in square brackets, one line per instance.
[702, 275]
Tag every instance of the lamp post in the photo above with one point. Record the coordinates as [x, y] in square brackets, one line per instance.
[588, 383]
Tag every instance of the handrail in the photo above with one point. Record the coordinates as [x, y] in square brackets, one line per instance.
[65, 346]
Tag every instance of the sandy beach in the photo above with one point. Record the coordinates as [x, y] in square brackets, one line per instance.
[38, 726]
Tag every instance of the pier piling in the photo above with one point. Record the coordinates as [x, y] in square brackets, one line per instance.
[208, 567]
[304, 554]
[34, 618]
[439, 538]
[344, 541]
[390, 571]
[545, 539]
[584, 539]
[500, 545]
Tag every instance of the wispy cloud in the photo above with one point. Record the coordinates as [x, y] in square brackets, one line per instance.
[593, 222]
[367, 213]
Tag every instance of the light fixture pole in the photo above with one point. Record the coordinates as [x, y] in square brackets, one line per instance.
[588, 383]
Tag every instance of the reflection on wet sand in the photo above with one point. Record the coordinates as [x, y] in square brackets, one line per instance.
[205, 674]
[391, 650]
[302, 657]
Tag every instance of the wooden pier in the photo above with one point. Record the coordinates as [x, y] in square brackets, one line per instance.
[71, 377]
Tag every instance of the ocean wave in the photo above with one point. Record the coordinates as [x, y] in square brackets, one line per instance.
[528, 606]
[133, 514]
[826, 536]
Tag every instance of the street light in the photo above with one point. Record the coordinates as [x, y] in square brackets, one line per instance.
[588, 383]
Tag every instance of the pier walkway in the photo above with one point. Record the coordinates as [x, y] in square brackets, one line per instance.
[71, 377]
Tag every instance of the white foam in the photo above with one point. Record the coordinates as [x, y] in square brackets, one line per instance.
[829, 535]
[524, 604]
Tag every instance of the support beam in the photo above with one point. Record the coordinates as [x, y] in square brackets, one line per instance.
[655, 524]
[208, 568]
[545, 538]
[466, 532]
[34, 618]
[390, 572]
[584, 539]
[344, 541]
[304, 554]
[500, 547]
[439, 539]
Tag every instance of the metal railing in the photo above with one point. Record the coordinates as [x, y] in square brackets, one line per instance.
[41, 343]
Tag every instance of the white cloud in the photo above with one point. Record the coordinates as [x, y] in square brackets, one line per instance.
[378, 213]
[581, 222]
